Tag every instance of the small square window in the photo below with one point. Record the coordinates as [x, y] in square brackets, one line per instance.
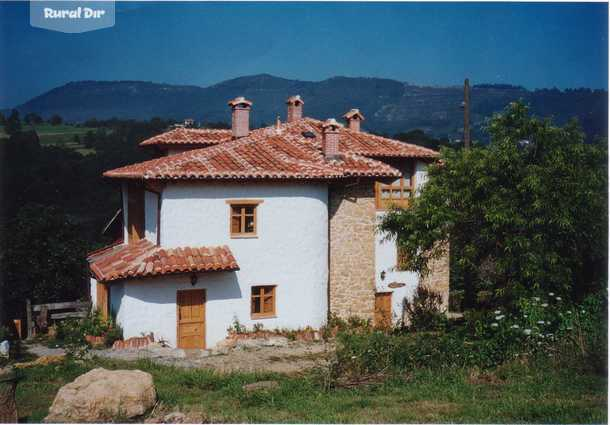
[262, 301]
[243, 218]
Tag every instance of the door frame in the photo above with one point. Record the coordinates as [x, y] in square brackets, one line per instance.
[205, 300]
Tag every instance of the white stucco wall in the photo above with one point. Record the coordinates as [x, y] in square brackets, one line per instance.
[151, 200]
[125, 212]
[386, 258]
[93, 292]
[291, 252]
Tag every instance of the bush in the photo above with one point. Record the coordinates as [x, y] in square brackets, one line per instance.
[71, 332]
[544, 326]
[424, 312]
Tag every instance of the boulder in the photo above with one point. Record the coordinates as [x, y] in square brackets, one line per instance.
[101, 395]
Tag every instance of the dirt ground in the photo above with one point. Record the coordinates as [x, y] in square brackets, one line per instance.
[291, 357]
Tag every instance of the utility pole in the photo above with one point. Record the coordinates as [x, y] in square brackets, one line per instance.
[466, 114]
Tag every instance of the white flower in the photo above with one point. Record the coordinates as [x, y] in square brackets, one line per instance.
[353, 357]
[541, 336]
[515, 326]
[527, 331]
[569, 328]
[500, 317]
[540, 322]
[551, 294]
[569, 311]
[525, 315]
[582, 311]
[536, 298]
[497, 312]
[558, 298]
[539, 343]
[545, 305]
[494, 325]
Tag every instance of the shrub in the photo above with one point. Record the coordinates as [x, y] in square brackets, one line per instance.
[5, 333]
[424, 312]
[114, 333]
[537, 326]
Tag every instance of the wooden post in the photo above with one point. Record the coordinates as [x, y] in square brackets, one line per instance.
[466, 114]
[28, 314]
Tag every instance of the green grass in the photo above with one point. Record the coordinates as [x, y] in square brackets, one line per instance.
[517, 393]
[58, 135]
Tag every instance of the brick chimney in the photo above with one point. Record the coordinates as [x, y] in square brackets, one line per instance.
[295, 108]
[240, 116]
[330, 139]
[353, 119]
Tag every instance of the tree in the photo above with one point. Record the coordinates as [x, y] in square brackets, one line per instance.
[419, 137]
[55, 120]
[32, 118]
[13, 123]
[44, 258]
[524, 217]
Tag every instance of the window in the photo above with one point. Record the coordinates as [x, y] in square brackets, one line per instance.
[135, 213]
[401, 258]
[243, 218]
[262, 302]
[399, 192]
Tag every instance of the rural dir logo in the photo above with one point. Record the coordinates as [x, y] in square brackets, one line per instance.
[71, 16]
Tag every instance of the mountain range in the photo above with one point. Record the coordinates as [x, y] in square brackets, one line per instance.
[389, 106]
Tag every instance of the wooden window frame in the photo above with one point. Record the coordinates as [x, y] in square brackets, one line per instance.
[136, 220]
[261, 295]
[236, 203]
[403, 202]
[399, 256]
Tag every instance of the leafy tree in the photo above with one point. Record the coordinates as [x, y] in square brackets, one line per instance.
[55, 120]
[419, 137]
[32, 118]
[12, 124]
[44, 257]
[520, 217]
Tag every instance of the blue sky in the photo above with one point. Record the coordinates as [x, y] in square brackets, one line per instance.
[531, 44]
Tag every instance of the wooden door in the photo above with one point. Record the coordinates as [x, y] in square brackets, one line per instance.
[383, 309]
[191, 318]
[101, 298]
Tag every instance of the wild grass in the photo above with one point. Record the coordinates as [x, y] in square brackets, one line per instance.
[540, 392]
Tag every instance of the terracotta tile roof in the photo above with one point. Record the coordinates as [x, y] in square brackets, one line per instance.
[266, 153]
[143, 258]
[360, 142]
[189, 137]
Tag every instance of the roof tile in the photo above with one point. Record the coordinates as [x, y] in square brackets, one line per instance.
[143, 258]
[273, 153]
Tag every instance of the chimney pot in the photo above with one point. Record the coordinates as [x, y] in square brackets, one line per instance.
[240, 116]
[295, 108]
[354, 118]
[330, 139]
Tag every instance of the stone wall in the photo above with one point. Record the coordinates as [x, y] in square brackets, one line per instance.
[438, 278]
[352, 249]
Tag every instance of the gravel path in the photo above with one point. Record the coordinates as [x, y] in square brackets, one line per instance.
[287, 357]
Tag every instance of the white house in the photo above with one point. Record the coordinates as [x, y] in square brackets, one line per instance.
[275, 226]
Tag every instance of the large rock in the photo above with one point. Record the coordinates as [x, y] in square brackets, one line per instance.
[102, 395]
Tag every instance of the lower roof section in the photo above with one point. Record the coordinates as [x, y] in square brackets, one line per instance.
[144, 259]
